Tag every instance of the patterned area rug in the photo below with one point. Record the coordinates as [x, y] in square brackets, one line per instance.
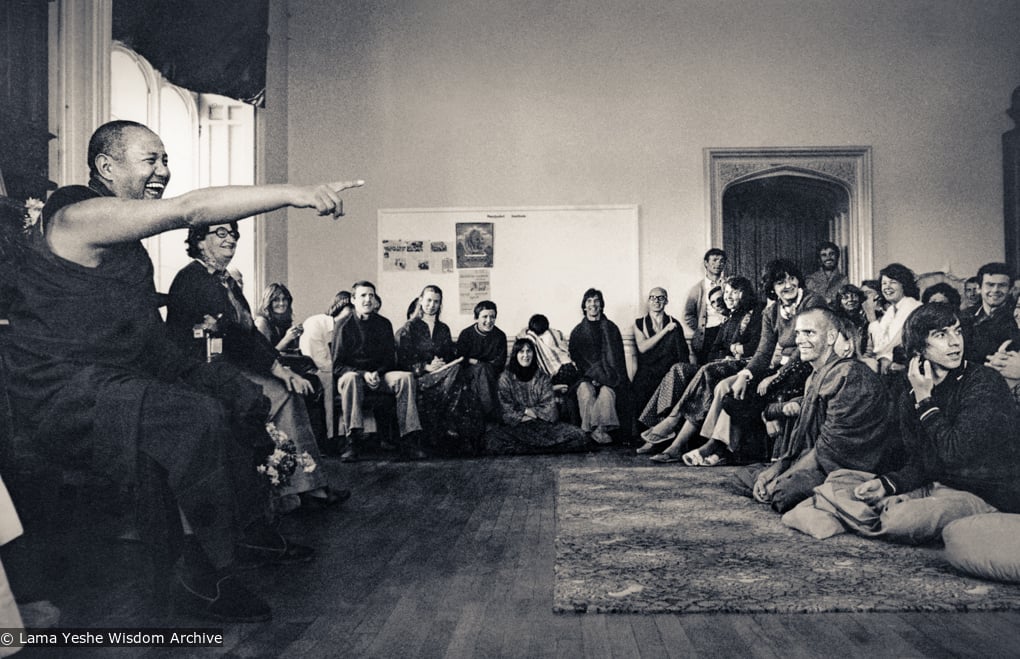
[679, 540]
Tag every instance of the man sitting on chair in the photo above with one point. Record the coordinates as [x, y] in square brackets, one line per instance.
[364, 355]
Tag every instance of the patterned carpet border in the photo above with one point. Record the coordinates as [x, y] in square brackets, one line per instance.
[678, 540]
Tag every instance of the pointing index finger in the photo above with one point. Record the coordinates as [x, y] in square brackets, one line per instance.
[347, 185]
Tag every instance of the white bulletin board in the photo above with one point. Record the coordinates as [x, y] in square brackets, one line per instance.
[543, 259]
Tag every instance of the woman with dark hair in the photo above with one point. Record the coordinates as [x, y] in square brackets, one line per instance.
[204, 297]
[958, 427]
[529, 413]
[274, 318]
[596, 347]
[425, 347]
[777, 347]
[899, 288]
[728, 353]
[849, 303]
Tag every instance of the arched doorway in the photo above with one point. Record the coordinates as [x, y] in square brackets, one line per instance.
[781, 215]
[848, 168]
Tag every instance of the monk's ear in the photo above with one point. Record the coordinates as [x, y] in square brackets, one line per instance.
[104, 166]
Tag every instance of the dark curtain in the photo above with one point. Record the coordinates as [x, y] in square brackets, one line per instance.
[24, 106]
[207, 46]
[777, 217]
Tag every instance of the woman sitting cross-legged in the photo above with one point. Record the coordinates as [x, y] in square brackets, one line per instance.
[728, 354]
[203, 296]
[777, 347]
[529, 410]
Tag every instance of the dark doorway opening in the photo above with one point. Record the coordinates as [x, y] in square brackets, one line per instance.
[782, 216]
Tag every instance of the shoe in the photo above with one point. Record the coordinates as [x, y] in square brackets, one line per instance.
[250, 556]
[694, 458]
[601, 436]
[665, 458]
[225, 600]
[310, 502]
[386, 446]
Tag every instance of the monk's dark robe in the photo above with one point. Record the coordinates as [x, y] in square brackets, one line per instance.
[94, 377]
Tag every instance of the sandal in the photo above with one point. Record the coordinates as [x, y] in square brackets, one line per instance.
[694, 458]
[227, 600]
[715, 460]
[665, 458]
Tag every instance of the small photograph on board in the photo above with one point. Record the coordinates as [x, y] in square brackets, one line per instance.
[474, 244]
[394, 256]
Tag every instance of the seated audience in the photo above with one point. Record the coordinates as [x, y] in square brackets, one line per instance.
[992, 322]
[596, 346]
[274, 318]
[702, 319]
[425, 348]
[202, 295]
[827, 280]
[842, 417]
[885, 334]
[529, 411]
[91, 368]
[730, 352]
[850, 303]
[874, 304]
[483, 349]
[315, 341]
[971, 295]
[777, 347]
[660, 344]
[958, 424]
[364, 357]
[552, 351]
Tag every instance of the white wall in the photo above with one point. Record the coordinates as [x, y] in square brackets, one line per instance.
[486, 102]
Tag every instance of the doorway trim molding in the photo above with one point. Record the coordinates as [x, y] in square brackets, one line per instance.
[848, 166]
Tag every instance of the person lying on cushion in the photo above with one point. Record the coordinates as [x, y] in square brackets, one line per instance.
[843, 417]
[958, 425]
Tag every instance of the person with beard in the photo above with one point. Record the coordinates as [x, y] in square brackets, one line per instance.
[596, 347]
[827, 280]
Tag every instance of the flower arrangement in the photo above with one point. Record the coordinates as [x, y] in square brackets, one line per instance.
[285, 460]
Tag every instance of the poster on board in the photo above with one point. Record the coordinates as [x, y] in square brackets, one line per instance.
[474, 245]
[475, 286]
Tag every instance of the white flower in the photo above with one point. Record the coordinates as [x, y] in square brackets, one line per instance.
[33, 210]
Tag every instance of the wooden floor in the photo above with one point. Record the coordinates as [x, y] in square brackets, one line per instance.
[454, 558]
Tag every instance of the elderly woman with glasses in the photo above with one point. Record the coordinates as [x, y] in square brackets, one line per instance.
[204, 300]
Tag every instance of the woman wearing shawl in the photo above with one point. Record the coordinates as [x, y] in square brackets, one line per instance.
[596, 347]
[529, 410]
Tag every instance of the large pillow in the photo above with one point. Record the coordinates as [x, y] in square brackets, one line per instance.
[986, 546]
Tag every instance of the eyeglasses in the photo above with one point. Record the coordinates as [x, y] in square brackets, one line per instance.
[656, 298]
[223, 232]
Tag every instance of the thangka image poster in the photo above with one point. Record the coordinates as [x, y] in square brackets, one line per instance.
[474, 244]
